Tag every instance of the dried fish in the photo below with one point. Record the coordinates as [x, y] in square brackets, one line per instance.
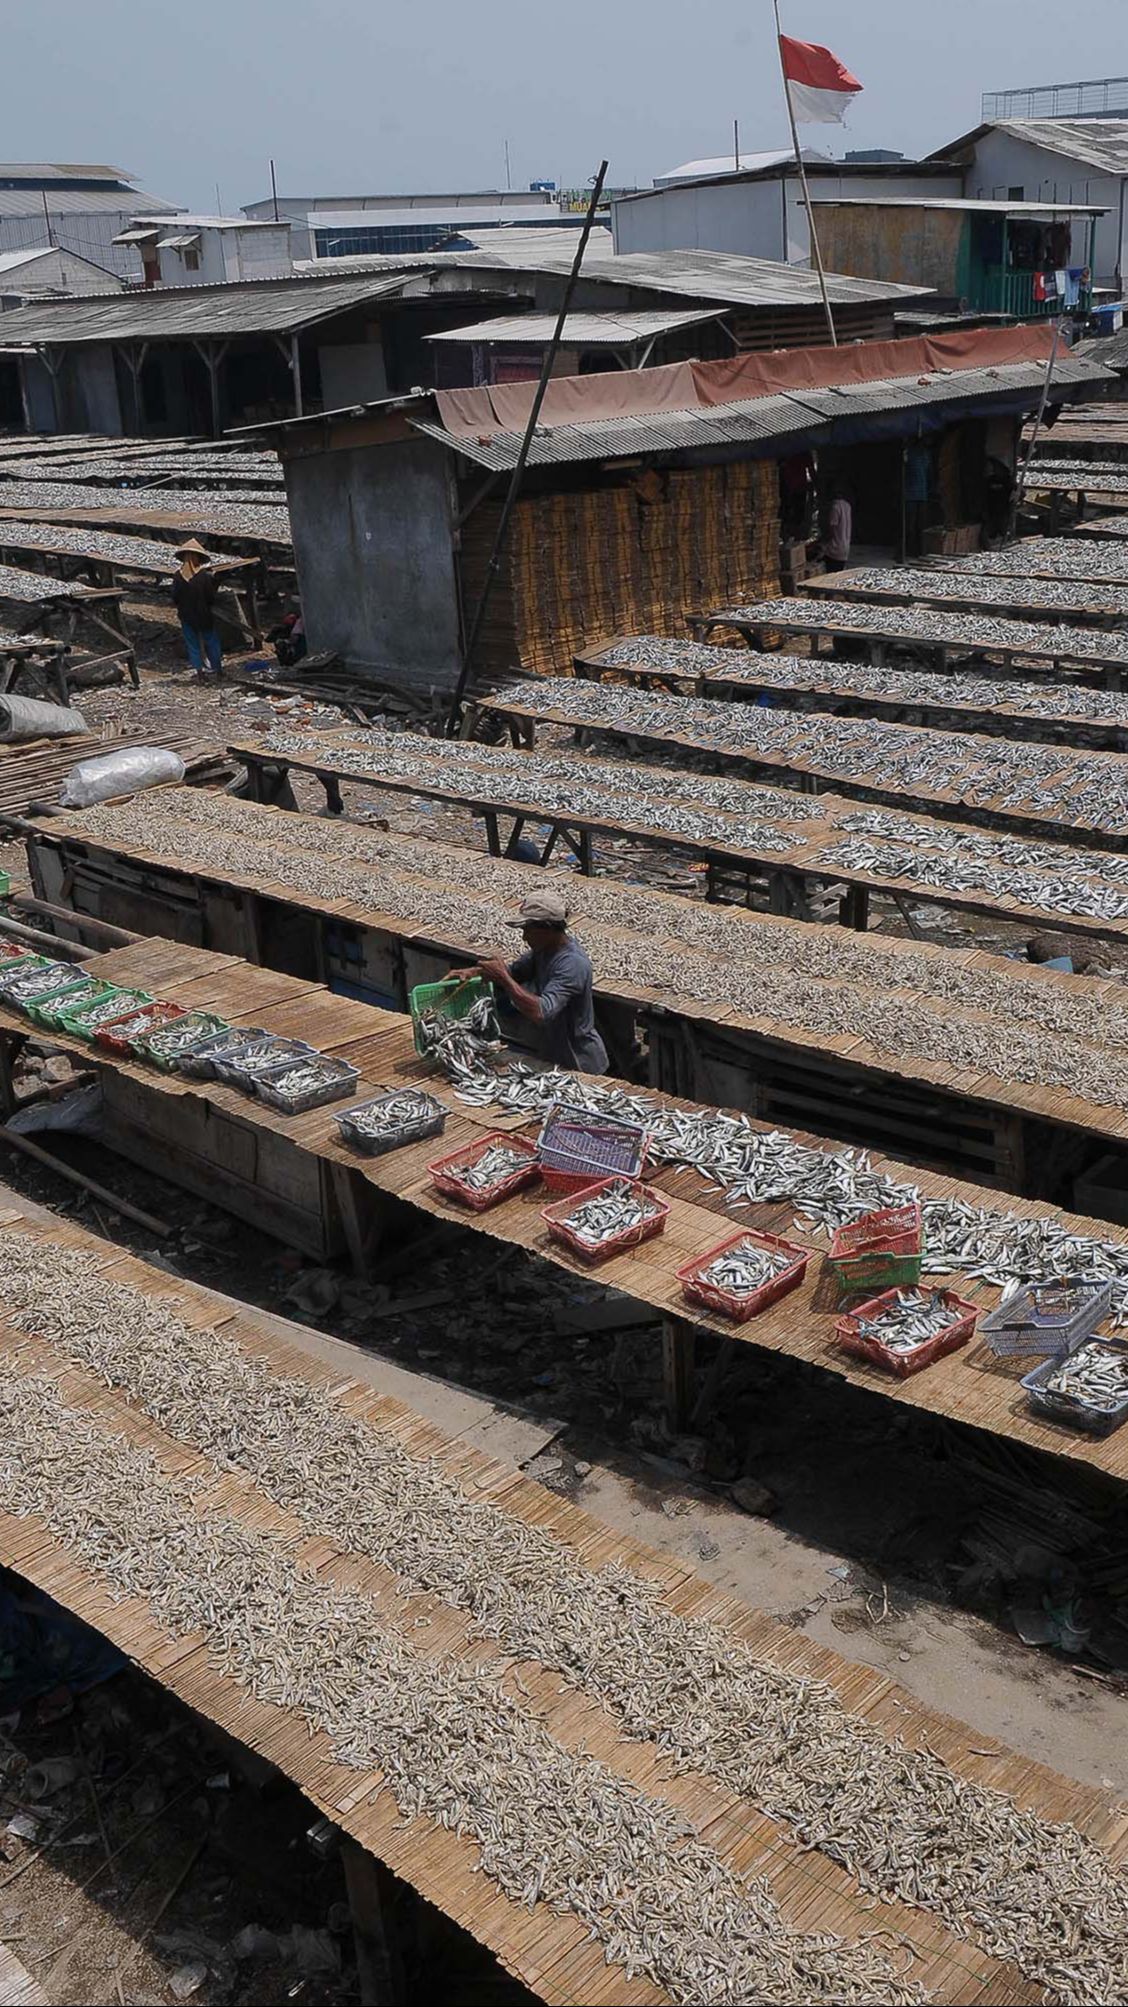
[1095, 1376]
[798, 676]
[620, 1208]
[492, 1168]
[897, 1818]
[976, 633]
[910, 1322]
[396, 1116]
[745, 1267]
[928, 584]
[1079, 790]
[550, 1823]
[820, 980]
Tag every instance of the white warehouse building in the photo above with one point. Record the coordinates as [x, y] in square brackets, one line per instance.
[758, 212]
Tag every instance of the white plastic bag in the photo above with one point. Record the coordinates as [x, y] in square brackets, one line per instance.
[124, 772]
[30, 718]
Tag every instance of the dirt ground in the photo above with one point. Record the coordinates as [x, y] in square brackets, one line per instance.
[878, 1532]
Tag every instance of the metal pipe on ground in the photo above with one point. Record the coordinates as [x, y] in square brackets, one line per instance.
[67, 951]
[99, 931]
[9, 1139]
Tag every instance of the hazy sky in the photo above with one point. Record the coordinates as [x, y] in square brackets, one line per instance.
[356, 96]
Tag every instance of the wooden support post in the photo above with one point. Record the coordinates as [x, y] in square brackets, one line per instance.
[855, 908]
[357, 1205]
[493, 835]
[677, 1371]
[8, 1045]
[332, 785]
[378, 1965]
[585, 853]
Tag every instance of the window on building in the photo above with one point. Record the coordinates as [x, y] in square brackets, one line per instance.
[394, 237]
[191, 261]
[1016, 194]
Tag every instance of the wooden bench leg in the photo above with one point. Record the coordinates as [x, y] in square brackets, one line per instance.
[677, 1371]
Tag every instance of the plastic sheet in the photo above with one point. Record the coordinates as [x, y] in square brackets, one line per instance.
[30, 718]
[124, 772]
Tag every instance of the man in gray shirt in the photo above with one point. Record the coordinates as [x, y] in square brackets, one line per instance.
[551, 985]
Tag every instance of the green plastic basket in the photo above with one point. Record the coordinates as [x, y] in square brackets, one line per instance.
[877, 1272]
[78, 1021]
[54, 1011]
[454, 999]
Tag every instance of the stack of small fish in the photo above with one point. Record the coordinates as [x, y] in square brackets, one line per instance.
[731, 811]
[1085, 790]
[452, 1041]
[334, 860]
[744, 1268]
[829, 1188]
[307, 1084]
[619, 1209]
[396, 1117]
[977, 633]
[892, 1813]
[1051, 593]
[908, 1323]
[1065, 557]
[797, 674]
[492, 1168]
[1094, 1376]
[1072, 894]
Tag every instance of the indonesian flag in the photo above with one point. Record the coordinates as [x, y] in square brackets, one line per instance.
[821, 87]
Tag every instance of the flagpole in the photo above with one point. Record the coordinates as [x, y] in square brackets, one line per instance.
[816, 253]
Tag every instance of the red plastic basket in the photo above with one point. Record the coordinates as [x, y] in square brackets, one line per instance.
[727, 1302]
[575, 1149]
[142, 1024]
[480, 1202]
[903, 1364]
[879, 1250]
[555, 1218]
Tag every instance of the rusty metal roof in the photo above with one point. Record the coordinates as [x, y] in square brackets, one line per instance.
[759, 420]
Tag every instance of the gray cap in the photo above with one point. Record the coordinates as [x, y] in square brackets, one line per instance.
[541, 909]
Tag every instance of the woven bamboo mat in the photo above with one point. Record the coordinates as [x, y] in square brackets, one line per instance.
[549, 1953]
[970, 1386]
[1049, 1103]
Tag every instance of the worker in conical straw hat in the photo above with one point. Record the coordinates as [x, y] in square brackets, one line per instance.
[551, 984]
[194, 589]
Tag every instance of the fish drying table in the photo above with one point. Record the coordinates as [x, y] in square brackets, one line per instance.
[22, 652]
[1005, 599]
[271, 545]
[866, 628]
[1020, 1135]
[104, 561]
[292, 1176]
[58, 608]
[550, 1950]
[780, 765]
[784, 876]
[752, 677]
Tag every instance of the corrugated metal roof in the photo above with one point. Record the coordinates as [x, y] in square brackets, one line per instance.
[65, 201]
[726, 163]
[970, 203]
[580, 330]
[759, 419]
[256, 306]
[1098, 143]
[718, 277]
[55, 170]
